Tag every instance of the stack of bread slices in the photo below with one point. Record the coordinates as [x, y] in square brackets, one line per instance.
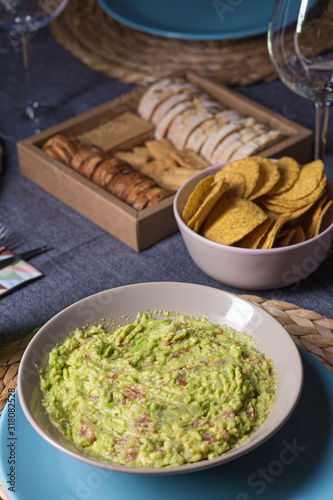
[114, 175]
[190, 119]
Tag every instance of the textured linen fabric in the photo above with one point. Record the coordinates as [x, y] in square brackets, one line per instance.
[85, 259]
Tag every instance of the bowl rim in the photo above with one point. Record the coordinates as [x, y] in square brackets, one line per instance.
[229, 248]
[185, 468]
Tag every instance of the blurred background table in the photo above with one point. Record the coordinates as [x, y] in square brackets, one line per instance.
[85, 259]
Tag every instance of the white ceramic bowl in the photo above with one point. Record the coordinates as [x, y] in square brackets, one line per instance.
[219, 306]
[253, 269]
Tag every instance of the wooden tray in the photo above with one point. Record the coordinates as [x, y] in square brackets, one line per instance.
[139, 229]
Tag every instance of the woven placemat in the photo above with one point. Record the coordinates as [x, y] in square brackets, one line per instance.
[129, 55]
[307, 328]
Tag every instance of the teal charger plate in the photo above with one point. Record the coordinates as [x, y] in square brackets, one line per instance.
[295, 464]
[193, 19]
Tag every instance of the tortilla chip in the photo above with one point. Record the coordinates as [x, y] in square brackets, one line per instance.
[310, 217]
[249, 168]
[231, 219]
[308, 180]
[268, 176]
[269, 239]
[253, 239]
[320, 218]
[288, 217]
[280, 205]
[215, 193]
[289, 170]
[197, 197]
[298, 236]
[285, 240]
[236, 183]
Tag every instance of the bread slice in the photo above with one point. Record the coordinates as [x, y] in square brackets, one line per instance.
[162, 127]
[82, 154]
[158, 93]
[100, 173]
[259, 143]
[174, 99]
[215, 138]
[184, 124]
[90, 163]
[226, 148]
[61, 147]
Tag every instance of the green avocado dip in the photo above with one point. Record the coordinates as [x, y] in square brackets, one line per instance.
[161, 392]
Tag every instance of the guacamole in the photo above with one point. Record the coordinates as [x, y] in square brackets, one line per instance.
[167, 390]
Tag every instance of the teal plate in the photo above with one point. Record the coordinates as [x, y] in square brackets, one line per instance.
[295, 464]
[193, 19]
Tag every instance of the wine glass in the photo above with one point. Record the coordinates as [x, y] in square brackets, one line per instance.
[300, 44]
[22, 19]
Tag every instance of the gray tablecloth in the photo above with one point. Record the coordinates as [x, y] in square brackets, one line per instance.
[85, 259]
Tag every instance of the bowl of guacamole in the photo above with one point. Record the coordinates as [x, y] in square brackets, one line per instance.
[159, 378]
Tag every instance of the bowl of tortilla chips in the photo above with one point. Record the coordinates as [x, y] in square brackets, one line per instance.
[257, 223]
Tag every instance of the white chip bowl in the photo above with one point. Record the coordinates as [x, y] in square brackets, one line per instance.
[254, 269]
[218, 306]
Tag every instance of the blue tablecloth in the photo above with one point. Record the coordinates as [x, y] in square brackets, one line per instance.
[85, 259]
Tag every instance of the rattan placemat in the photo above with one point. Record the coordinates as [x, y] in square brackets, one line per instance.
[307, 328]
[132, 56]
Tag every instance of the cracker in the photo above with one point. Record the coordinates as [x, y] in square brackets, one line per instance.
[159, 149]
[134, 158]
[153, 168]
[174, 178]
[189, 159]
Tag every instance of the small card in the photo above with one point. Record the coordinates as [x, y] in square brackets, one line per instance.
[5, 255]
[17, 274]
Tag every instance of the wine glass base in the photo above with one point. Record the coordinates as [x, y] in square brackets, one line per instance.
[17, 124]
[41, 116]
[32, 112]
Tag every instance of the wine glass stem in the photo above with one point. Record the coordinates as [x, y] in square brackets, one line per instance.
[321, 125]
[29, 74]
